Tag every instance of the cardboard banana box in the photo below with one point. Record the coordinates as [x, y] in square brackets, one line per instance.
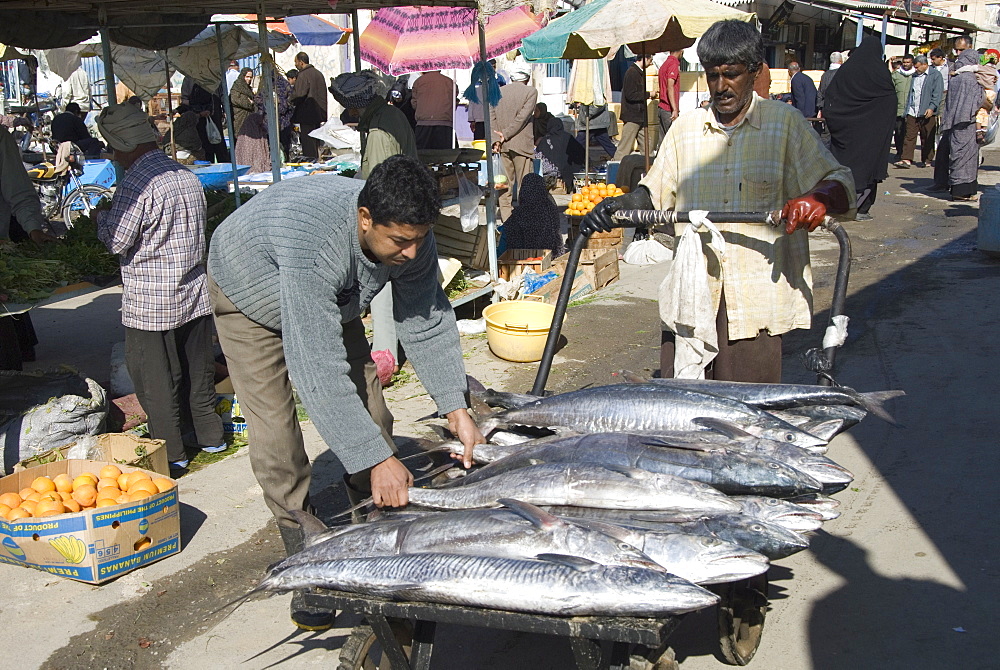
[93, 545]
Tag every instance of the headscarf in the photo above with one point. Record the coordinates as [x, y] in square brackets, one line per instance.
[125, 127]
[355, 90]
[535, 222]
[241, 84]
[860, 111]
[965, 95]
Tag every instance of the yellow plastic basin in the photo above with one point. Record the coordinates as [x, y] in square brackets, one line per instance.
[517, 329]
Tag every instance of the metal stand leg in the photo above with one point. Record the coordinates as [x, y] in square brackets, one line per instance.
[423, 644]
[387, 638]
[586, 652]
[620, 658]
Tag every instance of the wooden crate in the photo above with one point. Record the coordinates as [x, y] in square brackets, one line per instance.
[470, 248]
[515, 262]
[597, 269]
[613, 239]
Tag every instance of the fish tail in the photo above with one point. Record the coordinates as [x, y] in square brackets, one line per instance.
[875, 401]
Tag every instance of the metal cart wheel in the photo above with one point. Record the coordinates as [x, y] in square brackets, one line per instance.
[362, 650]
[741, 618]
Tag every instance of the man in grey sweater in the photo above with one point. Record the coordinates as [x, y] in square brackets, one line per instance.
[290, 274]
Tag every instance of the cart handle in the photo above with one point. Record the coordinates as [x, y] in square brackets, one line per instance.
[625, 217]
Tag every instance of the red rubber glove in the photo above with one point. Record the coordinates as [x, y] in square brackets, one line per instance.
[804, 212]
[808, 211]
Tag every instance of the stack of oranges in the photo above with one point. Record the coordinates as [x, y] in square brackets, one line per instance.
[63, 494]
[588, 196]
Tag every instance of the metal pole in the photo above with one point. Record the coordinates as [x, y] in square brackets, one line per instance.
[109, 68]
[227, 106]
[885, 30]
[861, 30]
[267, 73]
[356, 40]
[909, 31]
[170, 108]
[491, 196]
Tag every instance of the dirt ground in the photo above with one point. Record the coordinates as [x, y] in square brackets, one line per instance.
[903, 579]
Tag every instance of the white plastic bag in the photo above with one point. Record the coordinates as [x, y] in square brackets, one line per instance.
[685, 298]
[646, 252]
[212, 132]
[469, 196]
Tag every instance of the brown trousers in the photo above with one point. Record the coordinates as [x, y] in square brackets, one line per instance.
[755, 360]
[256, 360]
[925, 128]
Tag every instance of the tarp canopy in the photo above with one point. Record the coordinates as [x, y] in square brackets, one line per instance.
[40, 28]
[144, 71]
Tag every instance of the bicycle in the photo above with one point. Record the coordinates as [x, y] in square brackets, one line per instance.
[63, 196]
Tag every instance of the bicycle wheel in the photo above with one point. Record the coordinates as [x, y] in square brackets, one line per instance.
[81, 201]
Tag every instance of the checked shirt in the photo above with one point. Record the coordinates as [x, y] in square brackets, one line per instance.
[156, 225]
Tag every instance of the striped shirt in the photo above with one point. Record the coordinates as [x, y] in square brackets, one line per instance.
[771, 156]
[156, 225]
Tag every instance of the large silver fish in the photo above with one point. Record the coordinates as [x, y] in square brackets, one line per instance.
[583, 484]
[557, 585]
[770, 539]
[645, 408]
[732, 472]
[781, 512]
[781, 396]
[697, 558]
[832, 476]
[519, 531]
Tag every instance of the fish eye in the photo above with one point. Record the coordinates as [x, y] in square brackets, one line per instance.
[789, 437]
[757, 527]
[773, 466]
[624, 546]
[772, 502]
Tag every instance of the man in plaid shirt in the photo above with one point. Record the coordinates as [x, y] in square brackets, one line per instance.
[156, 224]
[743, 154]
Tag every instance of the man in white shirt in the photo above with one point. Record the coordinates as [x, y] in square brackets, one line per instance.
[232, 74]
[78, 89]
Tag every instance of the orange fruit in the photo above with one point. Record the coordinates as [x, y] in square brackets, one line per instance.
[18, 513]
[110, 472]
[105, 482]
[63, 482]
[65, 496]
[72, 506]
[122, 481]
[577, 197]
[34, 496]
[43, 484]
[85, 495]
[135, 476]
[11, 500]
[138, 495]
[106, 502]
[84, 480]
[163, 484]
[142, 544]
[146, 485]
[109, 492]
[51, 495]
[598, 199]
[49, 508]
[123, 498]
[29, 506]
[4, 509]
[25, 492]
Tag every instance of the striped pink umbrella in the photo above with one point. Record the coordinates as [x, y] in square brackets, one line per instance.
[414, 39]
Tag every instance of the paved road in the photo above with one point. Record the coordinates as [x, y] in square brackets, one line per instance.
[902, 580]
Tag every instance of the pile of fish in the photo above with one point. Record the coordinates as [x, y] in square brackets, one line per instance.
[647, 492]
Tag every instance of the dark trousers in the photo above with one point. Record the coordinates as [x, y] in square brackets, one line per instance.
[866, 198]
[941, 165]
[434, 137]
[310, 145]
[925, 128]
[479, 130]
[17, 341]
[285, 140]
[174, 376]
[663, 116]
[214, 153]
[600, 135]
[898, 134]
[756, 360]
